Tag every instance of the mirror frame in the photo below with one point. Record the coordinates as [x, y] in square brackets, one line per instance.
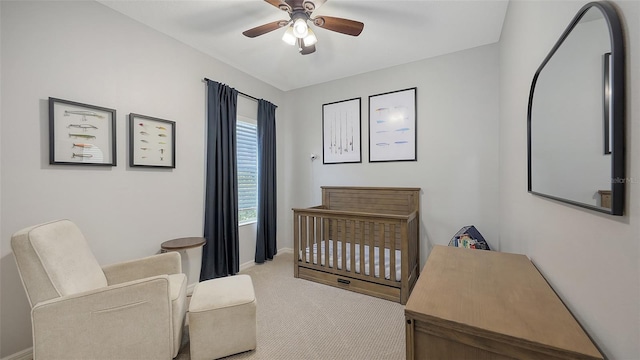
[617, 107]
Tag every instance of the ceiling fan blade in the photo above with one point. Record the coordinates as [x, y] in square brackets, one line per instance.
[344, 26]
[280, 5]
[306, 50]
[263, 29]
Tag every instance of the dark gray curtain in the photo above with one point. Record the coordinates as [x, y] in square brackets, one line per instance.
[220, 255]
[267, 209]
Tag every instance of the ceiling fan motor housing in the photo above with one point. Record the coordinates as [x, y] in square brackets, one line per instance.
[299, 14]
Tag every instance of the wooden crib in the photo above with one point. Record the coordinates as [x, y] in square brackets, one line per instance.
[333, 242]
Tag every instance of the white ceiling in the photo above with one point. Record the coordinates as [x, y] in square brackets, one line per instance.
[395, 32]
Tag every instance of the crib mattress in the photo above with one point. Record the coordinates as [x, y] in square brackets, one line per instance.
[376, 257]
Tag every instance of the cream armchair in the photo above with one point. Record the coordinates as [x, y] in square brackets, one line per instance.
[131, 310]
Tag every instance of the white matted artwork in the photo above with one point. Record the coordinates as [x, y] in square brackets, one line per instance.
[81, 134]
[392, 126]
[152, 141]
[341, 132]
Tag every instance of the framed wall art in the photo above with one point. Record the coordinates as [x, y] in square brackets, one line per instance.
[392, 126]
[152, 141]
[81, 134]
[341, 132]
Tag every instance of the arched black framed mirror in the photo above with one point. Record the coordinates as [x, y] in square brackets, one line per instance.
[576, 151]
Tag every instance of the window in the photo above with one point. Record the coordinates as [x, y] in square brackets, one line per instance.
[247, 161]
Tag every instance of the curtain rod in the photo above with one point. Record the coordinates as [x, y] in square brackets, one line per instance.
[241, 93]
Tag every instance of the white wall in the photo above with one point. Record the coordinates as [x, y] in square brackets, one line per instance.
[457, 167]
[591, 259]
[86, 52]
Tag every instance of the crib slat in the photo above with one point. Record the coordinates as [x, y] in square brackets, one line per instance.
[339, 240]
[303, 237]
[352, 247]
[361, 241]
[318, 239]
[344, 240]
[392, 252]
[372, 233]
[334, 237]
[381, 246]
[312, 224]
[327, 236]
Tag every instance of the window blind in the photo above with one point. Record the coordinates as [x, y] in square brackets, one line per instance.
[247, 162]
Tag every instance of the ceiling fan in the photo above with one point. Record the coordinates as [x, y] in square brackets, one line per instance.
[298, 31]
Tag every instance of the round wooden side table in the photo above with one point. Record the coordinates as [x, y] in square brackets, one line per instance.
[182, 243]
[190, 254]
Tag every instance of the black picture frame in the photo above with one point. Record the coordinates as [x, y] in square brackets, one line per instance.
[152, 142]
[393, 126]
[81, 134]
[341, 132]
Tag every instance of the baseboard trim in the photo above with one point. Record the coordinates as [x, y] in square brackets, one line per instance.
[285, 251]
[250, 264]
[247, 265]
[26, 354]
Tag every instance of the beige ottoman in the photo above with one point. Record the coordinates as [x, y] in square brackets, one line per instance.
[222, 317]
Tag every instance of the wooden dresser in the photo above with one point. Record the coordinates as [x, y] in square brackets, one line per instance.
[474, 304]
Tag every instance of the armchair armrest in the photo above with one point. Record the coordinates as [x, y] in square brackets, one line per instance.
[129, 320]
[162, 264]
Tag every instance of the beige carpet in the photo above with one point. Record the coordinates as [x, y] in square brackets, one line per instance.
[300, 319]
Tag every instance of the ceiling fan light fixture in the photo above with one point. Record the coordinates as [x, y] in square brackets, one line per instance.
[310, 39]
[300, 28]
[298, 31]
[288, 36]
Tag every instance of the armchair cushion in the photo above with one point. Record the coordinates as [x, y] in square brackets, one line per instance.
[55, 261]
